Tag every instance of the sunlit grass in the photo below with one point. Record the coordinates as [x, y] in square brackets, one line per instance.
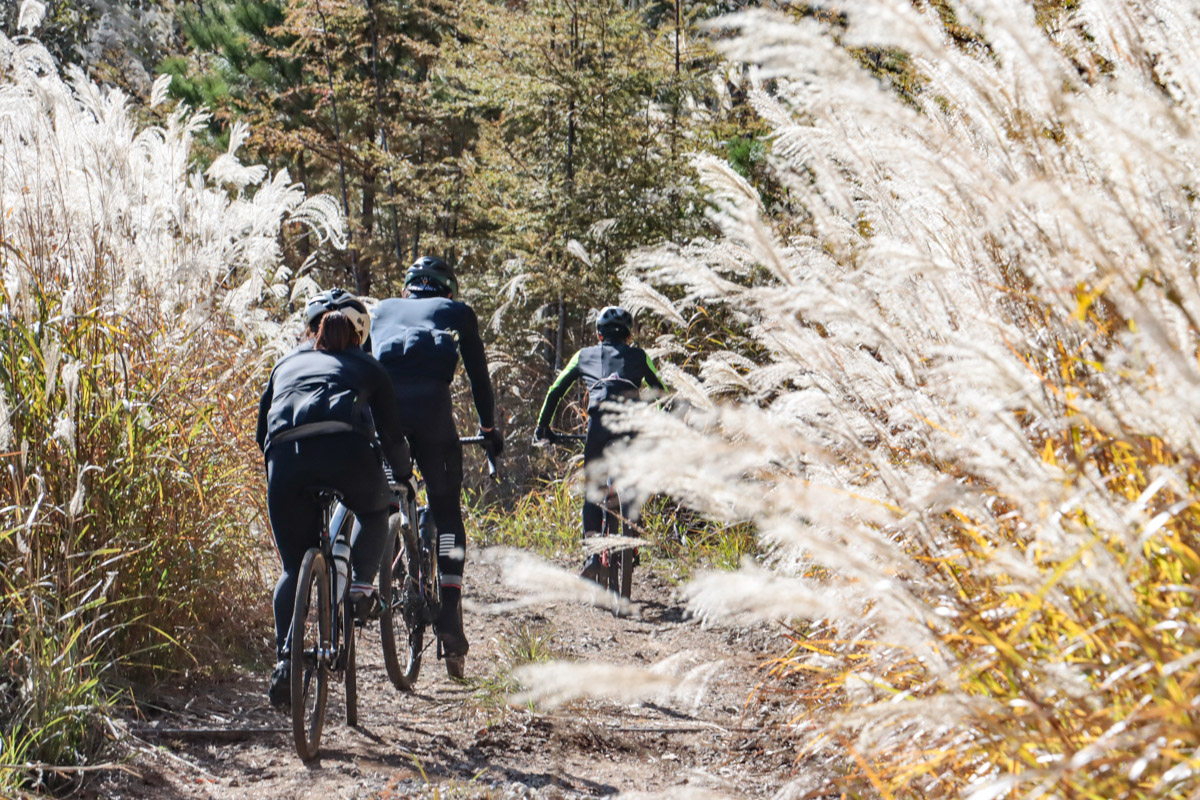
[517, 645]
[960, 405]
[547, 521]
[131, 356]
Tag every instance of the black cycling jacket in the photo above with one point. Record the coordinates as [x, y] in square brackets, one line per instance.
[609, 370]
[313, 392]
[419, 339]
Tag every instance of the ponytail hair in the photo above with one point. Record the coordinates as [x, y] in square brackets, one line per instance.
[336, 333]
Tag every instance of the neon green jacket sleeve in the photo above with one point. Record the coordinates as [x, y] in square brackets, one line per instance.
[563, 382]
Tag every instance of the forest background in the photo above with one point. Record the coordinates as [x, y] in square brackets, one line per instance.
[534, 145]
[922, 282]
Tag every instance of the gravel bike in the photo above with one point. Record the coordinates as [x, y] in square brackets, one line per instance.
[616, 563]
[410, 584]
[322, 638]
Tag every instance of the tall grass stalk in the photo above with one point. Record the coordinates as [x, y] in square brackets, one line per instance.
[967, 425]
[131, 343]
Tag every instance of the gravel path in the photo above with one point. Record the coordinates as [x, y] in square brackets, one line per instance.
[450, 739]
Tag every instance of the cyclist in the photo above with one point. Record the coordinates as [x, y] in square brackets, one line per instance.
[331, 300]
[418, 337]
[317, 423]
[612, 370]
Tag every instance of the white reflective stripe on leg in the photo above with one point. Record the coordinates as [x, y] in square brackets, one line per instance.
[446, 544]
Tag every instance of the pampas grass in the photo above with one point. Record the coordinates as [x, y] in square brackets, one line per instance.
[965, 423]
[133, 295]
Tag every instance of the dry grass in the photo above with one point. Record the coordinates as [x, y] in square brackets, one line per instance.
[130, 359]
[965, 426]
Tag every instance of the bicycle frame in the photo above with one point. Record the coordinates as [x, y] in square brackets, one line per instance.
[413, 591]
[331, 505]
[332, 645]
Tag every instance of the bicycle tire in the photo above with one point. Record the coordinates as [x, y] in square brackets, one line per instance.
[402, 624]
[310, 670]
[626, 569]
[612, 573]
[349, 635]
[627, 558]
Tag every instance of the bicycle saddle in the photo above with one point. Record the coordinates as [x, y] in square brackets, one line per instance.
[325, 494]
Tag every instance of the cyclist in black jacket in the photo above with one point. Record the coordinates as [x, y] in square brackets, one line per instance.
[317, 425]
[418, 338]
[613, 370]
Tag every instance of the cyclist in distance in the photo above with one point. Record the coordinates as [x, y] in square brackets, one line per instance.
[418, 337]
[612, 370]
[317, 425]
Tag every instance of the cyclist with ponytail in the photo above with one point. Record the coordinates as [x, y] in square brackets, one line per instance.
[318, 421]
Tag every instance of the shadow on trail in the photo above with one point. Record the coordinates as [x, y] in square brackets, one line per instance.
[471, 767]
[654, 611]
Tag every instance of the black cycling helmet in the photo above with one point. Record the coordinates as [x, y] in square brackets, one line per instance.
[431, 275]
[338, 300]
[614, 321]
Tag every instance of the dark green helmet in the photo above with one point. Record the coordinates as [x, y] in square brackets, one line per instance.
[430, 275]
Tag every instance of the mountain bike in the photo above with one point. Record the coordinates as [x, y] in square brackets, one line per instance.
[410, 584]
[322, 641]
[616, 563]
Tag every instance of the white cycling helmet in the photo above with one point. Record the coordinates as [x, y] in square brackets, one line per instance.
[339, 300]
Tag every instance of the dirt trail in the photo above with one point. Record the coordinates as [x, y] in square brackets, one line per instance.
[452, 739]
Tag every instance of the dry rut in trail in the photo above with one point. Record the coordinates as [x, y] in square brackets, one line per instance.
[453, 739]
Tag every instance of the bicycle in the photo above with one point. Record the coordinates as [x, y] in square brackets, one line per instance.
[617, 563]
[410, 584]
[324, 644]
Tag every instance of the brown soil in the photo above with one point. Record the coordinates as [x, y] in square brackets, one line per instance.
[448, 739]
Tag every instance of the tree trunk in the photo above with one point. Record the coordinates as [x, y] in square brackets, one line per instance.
[560, 335]
[363, 278]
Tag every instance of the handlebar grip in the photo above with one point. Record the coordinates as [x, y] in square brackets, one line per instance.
[493, 468]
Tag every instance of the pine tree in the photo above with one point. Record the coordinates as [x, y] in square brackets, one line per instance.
[593, 114]
[345, 92]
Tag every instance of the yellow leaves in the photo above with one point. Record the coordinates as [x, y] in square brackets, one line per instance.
[872, 775]
[1048, 452]
[1085, 297]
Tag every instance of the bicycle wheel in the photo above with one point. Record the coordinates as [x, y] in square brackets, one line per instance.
[626, 561]
[626, 570]
[349, 635]
[310, 643]
[612, 571]
[402, 624]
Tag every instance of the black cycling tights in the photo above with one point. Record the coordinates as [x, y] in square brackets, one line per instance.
[596, 478]
[342, 461]
[428, 420]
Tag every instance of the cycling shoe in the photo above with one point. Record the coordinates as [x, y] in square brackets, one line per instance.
[280, 691]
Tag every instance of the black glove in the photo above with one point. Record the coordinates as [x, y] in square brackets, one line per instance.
[493, 441]
[542, 434]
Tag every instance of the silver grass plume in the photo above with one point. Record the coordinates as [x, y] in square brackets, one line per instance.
[683, 677]
[538, 582]
[915, 320]
[73, 157]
